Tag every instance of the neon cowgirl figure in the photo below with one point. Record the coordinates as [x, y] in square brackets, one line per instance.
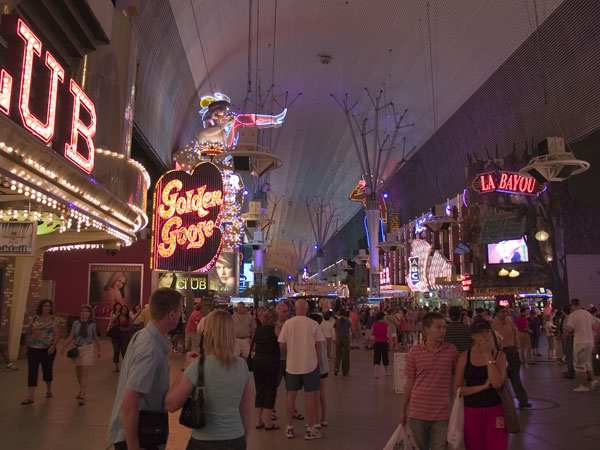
[220, 128]
[113, 292]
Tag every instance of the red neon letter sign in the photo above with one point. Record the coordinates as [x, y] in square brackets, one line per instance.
[45, 131]
[78, 127]
[5, 91]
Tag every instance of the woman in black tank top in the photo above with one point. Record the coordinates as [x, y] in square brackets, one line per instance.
[479, 372]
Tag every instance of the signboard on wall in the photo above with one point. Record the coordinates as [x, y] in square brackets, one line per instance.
[30, 88]
[222, 279]
[186, 220]
[114, 283]
[507, 182]
[17, 238]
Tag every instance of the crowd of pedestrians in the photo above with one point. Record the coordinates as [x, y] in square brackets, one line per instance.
[450, 351]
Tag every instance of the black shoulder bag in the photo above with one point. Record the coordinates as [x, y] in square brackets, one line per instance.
[192, 413]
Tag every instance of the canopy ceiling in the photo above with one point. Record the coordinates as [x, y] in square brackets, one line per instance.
[378, 44]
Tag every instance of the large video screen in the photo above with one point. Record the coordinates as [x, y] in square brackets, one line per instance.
[506, 252]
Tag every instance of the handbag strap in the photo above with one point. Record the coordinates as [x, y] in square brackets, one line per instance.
[200, 384]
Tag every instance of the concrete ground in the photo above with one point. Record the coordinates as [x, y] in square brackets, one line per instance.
[362, 411]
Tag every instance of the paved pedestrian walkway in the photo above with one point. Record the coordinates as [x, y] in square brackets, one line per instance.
[362, 411]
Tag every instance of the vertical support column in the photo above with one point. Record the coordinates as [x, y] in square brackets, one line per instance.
[320, 265]
[257, 257]
[372, 209]
[22, 277]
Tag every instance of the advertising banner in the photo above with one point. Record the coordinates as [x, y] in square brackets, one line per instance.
[222, 279]
[114, 283]
[17, 238]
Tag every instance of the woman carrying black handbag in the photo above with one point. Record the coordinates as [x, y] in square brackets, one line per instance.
[227, 393]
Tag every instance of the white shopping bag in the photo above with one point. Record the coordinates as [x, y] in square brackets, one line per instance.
[401, 440]
[456, 424]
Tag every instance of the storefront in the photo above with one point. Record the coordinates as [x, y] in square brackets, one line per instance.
[58, 190]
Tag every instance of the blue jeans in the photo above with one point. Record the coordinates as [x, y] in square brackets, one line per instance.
[429, 434]
[229, 444]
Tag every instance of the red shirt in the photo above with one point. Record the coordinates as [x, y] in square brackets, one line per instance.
[192, 323]
[380, 331]
[522, 324]
[430, 398]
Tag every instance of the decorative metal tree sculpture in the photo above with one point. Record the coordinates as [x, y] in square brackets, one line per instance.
[373, 160]
[321, 215]
[301, 248]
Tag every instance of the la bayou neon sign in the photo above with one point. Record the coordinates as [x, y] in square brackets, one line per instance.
[24, 47]
[186, 219]
[508, 182]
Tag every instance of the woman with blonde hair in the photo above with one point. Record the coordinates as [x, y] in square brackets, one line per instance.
[227, 389]
[113, 291]
[83, 335]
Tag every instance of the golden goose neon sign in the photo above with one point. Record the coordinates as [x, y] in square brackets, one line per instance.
[186, 220]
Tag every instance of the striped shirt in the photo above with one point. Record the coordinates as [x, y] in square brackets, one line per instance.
[431, 372]
[459, 335]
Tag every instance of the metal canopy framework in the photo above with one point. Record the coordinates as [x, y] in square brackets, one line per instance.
[345, 47]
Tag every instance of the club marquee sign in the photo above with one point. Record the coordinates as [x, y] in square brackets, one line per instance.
[186, 219]
[77, 117]
[507, 182]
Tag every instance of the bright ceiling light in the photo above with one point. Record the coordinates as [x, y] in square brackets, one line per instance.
[503, 272]
[514, 273]
[542, 235]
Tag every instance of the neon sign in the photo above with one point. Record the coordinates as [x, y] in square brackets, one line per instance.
[186, 232]
[420, 227]
[24, 47]
[507, 182]
[384, 277]
[359, 194]
[467, 282]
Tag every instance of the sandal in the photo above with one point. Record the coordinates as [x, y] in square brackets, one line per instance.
[258, 427]
[49, 395]
[272, 427]
[298, 416]
[27, 401]
[82, 401]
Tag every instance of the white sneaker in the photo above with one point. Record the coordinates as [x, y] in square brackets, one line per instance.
[312, 433]
[582, 388]
[11, 367]
[289, 432]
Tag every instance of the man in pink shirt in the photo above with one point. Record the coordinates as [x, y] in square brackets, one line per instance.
[522, 324]
[429, 367]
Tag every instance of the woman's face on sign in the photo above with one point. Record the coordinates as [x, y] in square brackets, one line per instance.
[224, 270]
[119, 282]
[166, 280]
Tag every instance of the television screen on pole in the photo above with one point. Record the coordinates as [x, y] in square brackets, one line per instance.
[506, 252]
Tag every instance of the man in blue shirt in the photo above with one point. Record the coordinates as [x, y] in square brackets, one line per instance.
[144, 379]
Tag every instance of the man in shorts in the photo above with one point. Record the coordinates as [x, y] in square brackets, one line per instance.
[581, 324]
[301, 338]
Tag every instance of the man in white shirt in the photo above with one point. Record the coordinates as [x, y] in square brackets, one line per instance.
[243, 326]
[301, 337]
[581, 325]
[327, 329]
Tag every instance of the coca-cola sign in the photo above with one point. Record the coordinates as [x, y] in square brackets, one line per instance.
[507, 182]
[186, 220]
